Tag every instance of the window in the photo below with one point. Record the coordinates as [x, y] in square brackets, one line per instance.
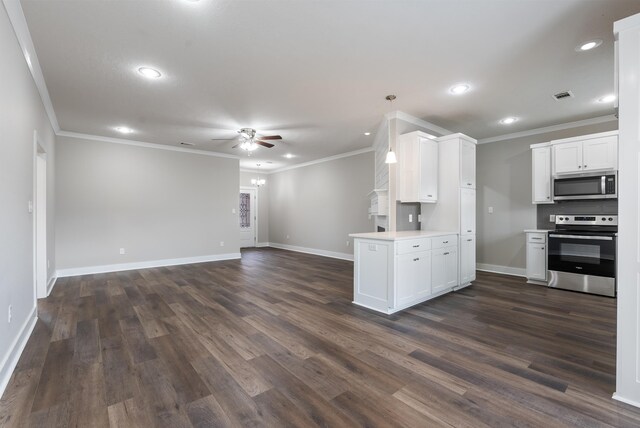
[245, 210]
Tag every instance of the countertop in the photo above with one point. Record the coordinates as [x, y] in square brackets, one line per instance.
[538, 230]
[398, 236]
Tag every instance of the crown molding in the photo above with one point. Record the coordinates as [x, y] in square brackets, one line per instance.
[543, 130]
[142, 144]
[416, 121]
[20, 28]
[327, 159]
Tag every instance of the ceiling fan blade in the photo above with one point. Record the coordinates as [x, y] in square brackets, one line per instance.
[264, 144]
[271, 137]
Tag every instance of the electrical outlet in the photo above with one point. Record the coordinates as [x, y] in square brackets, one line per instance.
[30, 206]
[348, 243]
[410, 218]
[419, 218]
[552, 218]
[222, 243]
[287, 236]
[233, 210]
[490, 210]
[9, 314]
[122, 251]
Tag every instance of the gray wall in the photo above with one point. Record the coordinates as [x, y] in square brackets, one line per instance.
[504, 183]
[263, 203]
[157, 204]
[21, 112]
[319, 205]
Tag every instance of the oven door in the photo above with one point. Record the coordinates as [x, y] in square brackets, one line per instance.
[582, 254]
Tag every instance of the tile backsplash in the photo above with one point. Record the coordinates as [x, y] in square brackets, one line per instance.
[599, 206]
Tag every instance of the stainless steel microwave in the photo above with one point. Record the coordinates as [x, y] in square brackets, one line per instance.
[586, 186]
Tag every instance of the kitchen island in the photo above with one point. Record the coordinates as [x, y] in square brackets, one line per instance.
[396, 270]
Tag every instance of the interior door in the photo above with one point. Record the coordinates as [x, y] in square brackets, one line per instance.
[248, 216]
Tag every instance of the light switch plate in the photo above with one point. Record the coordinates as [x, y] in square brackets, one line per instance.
[490, 210]
[552, 218]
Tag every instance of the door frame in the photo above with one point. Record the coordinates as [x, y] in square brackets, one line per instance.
[255, 217]
[39, 214]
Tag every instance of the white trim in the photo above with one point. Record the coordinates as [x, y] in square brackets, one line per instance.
[21, 29]
[505, 270]
[586, 137]
[317, 252]
[625, 24]
[142, 144]
[10, 360]
[51, 284]
[262, 244]
[416, 121]
[88, 270]
[560, 127]
[327, 159]
[615, 396]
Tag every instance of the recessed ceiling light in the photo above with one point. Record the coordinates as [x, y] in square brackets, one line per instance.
[367, 133]
[508, 120]
[149, 73]
[459, 89]
[607, 99]
[288, 156]
[587, 46]
[123, 130]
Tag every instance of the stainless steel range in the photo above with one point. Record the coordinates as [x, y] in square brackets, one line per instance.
[582, 253]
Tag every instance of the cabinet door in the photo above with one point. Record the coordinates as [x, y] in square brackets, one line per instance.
[541, 170]
[413, 278]
[599, 154]
[567, 158]
[537, 262]
[428, 170]
[467, 211]
[407, 170]
[468, 165]
[438, 271]
[451, 264]
[467, 259]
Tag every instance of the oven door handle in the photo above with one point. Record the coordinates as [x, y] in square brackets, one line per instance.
[595, 238]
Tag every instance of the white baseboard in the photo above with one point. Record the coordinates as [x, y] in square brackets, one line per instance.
[262, 244]
[51, 284]
[88, 270]
[625, 400]
[317, 252]
[15, 350]
[505, 270]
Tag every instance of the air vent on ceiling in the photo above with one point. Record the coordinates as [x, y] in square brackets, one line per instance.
[563, 95]
[186, 144]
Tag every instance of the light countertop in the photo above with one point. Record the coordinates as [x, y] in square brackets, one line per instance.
[538, 230]
[405, 234]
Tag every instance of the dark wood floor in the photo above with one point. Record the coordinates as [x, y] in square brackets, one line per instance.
[273, 340]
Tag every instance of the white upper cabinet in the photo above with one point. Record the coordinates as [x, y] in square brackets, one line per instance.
[541, 167]
[567, 158]
[467, 211]
[468, 164]
[417, 168]
[597, 152]
[600, 154]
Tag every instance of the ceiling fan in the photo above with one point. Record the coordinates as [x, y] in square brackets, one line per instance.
[250, 140]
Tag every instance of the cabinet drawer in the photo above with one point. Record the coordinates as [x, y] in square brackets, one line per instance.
[413, 245]
[444, 241]
[537, 238]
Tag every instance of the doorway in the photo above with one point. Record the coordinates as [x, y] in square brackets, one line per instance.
[40, 221]
[248, 210]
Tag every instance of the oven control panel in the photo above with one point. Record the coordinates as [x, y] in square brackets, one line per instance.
[588, 220]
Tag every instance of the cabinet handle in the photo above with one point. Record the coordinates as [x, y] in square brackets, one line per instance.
[416, 246]
[469, 240]
[469, 230]
[445, 242]
[542, 248]
[429, 196]
[468, 184]
[445, 253]
[579, 166]
[416, 259]
[547, 197]
[537, 239]
[585, 166]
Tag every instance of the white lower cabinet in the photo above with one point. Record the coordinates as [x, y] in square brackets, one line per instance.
[467, 259]
[413, 277]
[536, 257]
[391, 275]
[444, 269]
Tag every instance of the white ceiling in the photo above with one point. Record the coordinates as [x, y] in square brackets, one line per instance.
[316, 72]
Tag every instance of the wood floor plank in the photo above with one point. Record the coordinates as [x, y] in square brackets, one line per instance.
[274, 340]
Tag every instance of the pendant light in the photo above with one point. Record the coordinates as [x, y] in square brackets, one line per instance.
[258, 181]
[391, 155]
